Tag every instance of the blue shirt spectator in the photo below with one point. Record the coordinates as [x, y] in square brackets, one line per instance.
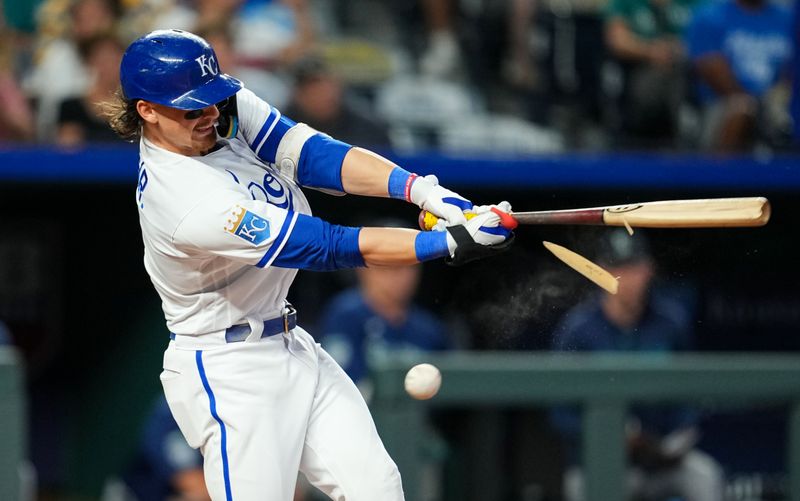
[587, 328]
[795, 73]
[753, 36]
[165, 467]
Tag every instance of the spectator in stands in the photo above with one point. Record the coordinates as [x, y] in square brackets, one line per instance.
[519, 68]
[271, 86]
[538, 64]
[280, 31]
[194, 13]
[16, 119]
[58, 70]
[378, 319]
[645, 38]
[795, 76]
[165, 467]
[442, 56]
[80, 119]
[461, 36]
[5, 334]
[444, 20]
[18, 15]
[739, 50]
[319, 99]
[661, 441]
[267, 34]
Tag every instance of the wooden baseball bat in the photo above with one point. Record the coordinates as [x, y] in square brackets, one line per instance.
[698, 213]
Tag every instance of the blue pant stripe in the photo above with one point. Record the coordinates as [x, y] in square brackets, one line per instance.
[224, 436]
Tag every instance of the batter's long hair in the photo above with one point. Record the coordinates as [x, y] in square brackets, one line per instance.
[122, 116]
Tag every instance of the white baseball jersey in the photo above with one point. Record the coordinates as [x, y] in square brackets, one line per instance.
[213, 224]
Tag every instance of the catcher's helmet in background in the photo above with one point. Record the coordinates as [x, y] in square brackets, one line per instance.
[175, 68]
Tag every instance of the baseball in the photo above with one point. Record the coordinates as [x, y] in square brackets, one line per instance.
[423, 381]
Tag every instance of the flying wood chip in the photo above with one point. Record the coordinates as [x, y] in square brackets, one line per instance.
[585, 267]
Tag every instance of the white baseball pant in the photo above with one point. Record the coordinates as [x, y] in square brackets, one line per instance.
[261, 410]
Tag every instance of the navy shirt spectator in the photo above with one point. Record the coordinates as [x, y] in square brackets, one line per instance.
[661, 439]
[5, 335]
[355, 332]
[378, 319]
[321, 99]
[165, 467]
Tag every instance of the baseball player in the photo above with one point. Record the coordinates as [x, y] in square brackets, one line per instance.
[225, 228]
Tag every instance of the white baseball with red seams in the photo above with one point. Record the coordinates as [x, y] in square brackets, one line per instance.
[423, 381]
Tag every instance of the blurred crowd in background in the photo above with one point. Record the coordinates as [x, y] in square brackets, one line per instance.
[506, 76]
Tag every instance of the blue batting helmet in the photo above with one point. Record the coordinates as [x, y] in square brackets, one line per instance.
[174, 68]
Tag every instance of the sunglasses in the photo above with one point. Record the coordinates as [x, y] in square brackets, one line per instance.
[195, 114]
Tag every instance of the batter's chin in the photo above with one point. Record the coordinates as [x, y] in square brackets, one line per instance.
[205, 138]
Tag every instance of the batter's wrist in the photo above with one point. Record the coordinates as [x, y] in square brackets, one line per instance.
[400, 182]
[432, 245]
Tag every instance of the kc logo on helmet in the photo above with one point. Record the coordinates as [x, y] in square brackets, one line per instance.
[208, 65]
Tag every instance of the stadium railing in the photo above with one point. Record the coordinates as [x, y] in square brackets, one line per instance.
[13, 436]
[603, 385]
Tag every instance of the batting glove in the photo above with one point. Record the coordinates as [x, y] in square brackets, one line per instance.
[443, 203]
[482, 236]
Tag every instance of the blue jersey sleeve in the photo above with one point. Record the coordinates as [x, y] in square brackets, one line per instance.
[320, 246]
[274, 128]
[313, 159]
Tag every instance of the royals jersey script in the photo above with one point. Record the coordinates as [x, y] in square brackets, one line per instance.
[212, 225]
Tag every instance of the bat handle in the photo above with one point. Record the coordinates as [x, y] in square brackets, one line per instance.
[427, 220]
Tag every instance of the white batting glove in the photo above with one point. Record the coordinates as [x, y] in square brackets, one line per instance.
[443, 203]
[485, 228]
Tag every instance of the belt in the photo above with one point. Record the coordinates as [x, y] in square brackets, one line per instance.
[272, 327]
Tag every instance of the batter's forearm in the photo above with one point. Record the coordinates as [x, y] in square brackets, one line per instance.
[366, 173]
[388, 246]
[320, 246]
[400, 246]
